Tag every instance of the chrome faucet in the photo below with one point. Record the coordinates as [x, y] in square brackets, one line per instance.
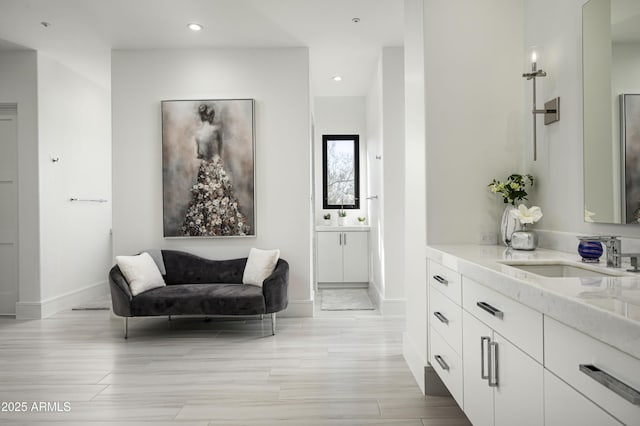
[613, 245]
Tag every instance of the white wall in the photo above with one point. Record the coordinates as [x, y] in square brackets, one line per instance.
[385, 156]
[74, 124]
[414, 340]
[339, 115]
[375, 131]
[474, 109]
[559, 167]
[469, 125]
[393, 160]
[18, 84]
[278, 80]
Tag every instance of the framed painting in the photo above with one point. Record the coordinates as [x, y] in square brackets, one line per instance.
[208, 179]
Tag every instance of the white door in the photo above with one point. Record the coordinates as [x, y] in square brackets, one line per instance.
[329, 257]
[519, 397]
[356, 257]
[478, 396]
[8, 214]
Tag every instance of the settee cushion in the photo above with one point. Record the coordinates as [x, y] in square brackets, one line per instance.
[260, 264]
[141, 272]
[185, 267]
[203, 299]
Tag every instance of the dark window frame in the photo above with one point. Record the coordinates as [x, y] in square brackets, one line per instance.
[356, 172]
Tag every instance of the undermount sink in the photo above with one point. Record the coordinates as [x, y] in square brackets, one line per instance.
[561, 270]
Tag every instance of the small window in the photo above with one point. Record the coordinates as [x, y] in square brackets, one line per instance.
[340, 172]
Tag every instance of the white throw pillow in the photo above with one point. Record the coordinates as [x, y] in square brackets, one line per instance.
[141, 272]
[260, 265]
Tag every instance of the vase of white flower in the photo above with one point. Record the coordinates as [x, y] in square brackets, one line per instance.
[525, 239]
[513, 191]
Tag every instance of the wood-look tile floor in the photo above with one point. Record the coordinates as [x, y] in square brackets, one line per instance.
[342, 369]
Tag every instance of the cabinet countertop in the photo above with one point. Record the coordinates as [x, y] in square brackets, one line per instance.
[606, 308]
[346, 228]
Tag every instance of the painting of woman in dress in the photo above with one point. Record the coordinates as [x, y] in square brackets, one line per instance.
[208, 170]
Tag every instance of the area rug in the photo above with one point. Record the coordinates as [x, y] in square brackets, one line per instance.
[102, 303]
[345, 299]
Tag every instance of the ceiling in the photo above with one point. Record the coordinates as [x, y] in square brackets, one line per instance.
[82, 32]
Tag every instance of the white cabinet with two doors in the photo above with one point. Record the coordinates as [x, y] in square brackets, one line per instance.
[342, 256]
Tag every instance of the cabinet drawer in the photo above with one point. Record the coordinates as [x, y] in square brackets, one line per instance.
[566, 349]
[446, 318]
[448, 366]
[449, 282]
[564, 406]
[517, 323]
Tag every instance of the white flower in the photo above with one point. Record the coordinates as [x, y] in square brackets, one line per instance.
[526, 215]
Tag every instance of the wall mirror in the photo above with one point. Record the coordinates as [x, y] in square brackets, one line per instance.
[611, 96]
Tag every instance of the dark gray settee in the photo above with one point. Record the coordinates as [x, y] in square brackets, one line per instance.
[198, 286]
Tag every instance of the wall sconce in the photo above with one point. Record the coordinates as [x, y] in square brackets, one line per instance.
[551, 109]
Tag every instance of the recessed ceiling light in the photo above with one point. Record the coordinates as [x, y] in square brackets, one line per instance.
[355, 20]
[336, 78]
[194, 27]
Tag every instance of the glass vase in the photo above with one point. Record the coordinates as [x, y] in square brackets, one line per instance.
[509, 225]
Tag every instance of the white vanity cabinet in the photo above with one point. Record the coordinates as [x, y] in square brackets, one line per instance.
[503, 385]
[530, 355]
[497, 380]
[342, 256]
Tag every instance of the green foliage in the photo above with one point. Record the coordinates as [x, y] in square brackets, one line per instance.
[513, 189]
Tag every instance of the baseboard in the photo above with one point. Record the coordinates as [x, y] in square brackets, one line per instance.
[392, 307]
[28, 310]
[298, 308]
[415, 360]
[386, 307]
[53, 305]
[374, 294]
[322, 286]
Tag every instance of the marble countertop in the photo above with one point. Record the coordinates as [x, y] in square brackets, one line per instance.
[606, 308]
[345, 228]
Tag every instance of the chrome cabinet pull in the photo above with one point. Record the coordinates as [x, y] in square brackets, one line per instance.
[341, 238]
[611, 383]
[441, 317]
[493, 364]
[488, 308]
[442, 363]
[483, 340]
[440, 280]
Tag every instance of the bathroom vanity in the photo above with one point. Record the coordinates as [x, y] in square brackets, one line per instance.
[534, 338]
[342, 254]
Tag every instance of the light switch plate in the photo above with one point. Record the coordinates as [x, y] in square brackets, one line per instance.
[488, 238]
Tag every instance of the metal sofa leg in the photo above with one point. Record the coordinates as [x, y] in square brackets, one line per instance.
[169, 317]
[261, 317]
[126, 327]
[273, 324]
